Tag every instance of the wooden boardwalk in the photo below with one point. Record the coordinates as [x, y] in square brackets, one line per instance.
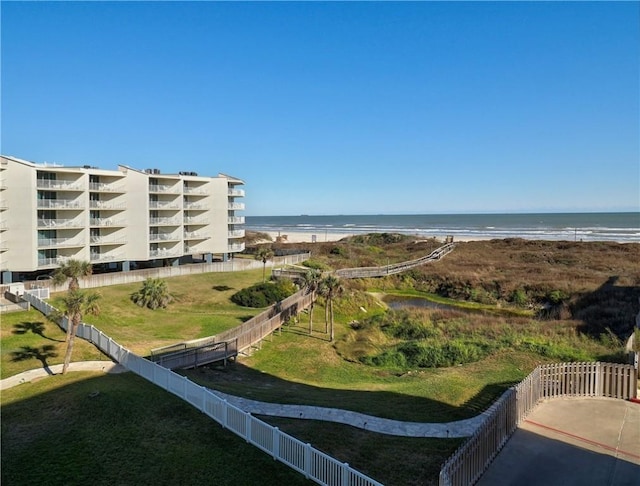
[229, 344]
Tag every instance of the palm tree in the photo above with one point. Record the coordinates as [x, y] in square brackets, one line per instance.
[264, 253]
[330, 287]
[153, 294]
[72, 270]
[311, 280]
[76, 304]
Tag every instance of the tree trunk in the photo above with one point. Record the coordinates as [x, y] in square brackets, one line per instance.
[331, 319]
[311, 318]
[71, 339]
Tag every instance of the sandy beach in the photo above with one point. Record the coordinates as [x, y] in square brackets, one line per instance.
[325, 236]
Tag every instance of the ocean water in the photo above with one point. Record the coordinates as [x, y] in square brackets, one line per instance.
[620, 227]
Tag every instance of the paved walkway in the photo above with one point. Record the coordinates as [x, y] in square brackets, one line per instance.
[31, 375]
[460, 428]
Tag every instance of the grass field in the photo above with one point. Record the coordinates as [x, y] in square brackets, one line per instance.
[84, 428]
[200, 308]
[293, 367]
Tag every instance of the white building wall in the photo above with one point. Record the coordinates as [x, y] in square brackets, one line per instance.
[128, 206]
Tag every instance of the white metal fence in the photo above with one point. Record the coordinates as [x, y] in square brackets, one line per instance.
[302, 457]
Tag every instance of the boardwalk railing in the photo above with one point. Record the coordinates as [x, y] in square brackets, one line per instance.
[301, 456]
[228, 344]
[365, 272]
[468, 463]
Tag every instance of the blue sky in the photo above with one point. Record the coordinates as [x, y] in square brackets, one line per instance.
[338, 107]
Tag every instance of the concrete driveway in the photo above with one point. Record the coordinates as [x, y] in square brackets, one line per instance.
[572, 441]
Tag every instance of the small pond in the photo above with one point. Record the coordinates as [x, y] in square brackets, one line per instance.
[396, 302]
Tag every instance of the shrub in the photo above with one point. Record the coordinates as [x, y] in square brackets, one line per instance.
[264, 294]
[315, 264]
[519, 297]
[153, 294]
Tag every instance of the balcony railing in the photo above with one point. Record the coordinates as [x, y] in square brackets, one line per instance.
[58, 204]
[235, 220]
[163, 253]
[163, 237]
[236, 234]
[194, 190]
[43, 242]
[106, 222]
[47, 262]
[59, 223]
[106, 257]
[195, 206]
[235, 247]
[195, 220]
[236, 192]
[106, 205]
[167, 221]
[104, 187]
[163, 205]
[236, 206]
[108, 240]
[196, 235]
[60, 185]
[163, 188]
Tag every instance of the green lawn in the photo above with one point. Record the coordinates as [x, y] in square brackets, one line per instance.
[201, 308]
[290, 367]
[30, 341]
[87, 428]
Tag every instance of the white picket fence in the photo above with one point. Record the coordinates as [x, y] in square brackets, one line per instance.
[314, 464]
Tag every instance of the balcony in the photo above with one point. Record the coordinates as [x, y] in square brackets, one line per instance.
[106, 222]
[50, 262]
[235, 220]
[106, 205]
[196, 235]
[163, 237]
[194, 220]
[59, 242]
[235, 234]
[108, 240]
[106, 257]
[164, 189]
[164, 221]
[58, 204]
[163, 205]
[236, 193]
[197, 191]
[235, 206]
[195, 206]
[164, 253]
[235, 247]
[58, 185]
[104, 187]
[60, 223]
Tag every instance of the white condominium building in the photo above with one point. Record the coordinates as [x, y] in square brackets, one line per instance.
[115, 218]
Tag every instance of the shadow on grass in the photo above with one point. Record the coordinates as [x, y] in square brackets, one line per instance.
[42, 354]
[610, 309]
[240, 380]
[221, 288]
[140, 434]
[36, 327]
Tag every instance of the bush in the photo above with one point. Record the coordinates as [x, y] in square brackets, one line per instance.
[315, 264]
[264, 294]
[519, 297]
